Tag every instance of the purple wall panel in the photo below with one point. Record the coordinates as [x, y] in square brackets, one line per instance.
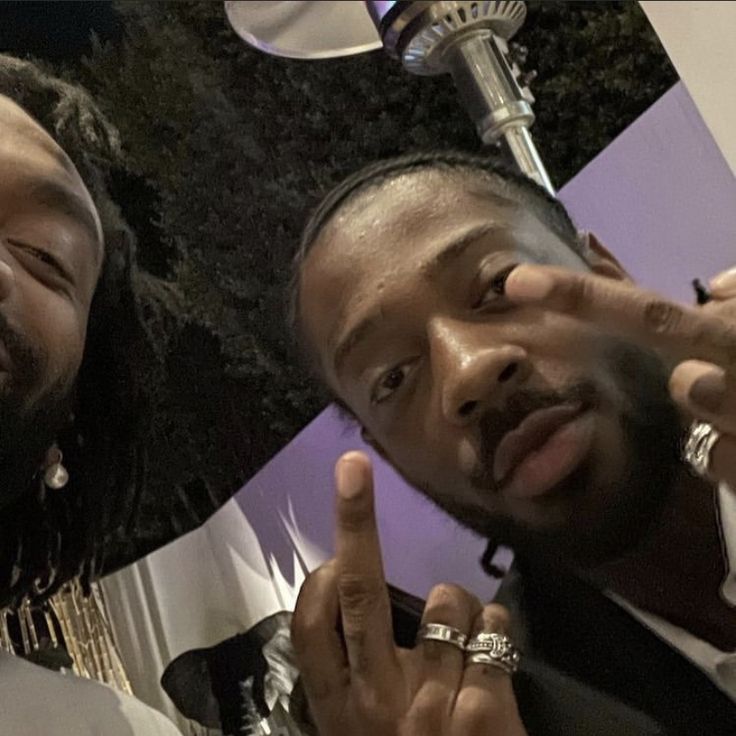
[421, 545]
[662, 197]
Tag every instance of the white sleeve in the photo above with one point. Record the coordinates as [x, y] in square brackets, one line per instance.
[37, 701]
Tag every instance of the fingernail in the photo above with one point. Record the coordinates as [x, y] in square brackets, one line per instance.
[724, 283]
[349, 479]
[708, 391]
[528, 285]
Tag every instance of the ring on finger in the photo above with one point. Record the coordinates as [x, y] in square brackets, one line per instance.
[493, 649]
[446, 634]
[485, 658]
[699, 442]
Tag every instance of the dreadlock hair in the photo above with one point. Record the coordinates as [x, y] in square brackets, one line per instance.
[498, 177]
[54, 538]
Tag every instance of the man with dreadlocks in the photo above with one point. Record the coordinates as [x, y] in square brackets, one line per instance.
[506, 365]
[66, 456]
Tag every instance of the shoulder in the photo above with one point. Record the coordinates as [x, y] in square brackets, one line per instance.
[64, 704]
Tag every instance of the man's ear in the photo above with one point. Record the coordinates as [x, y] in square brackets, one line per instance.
[370, 440]
[601, 261]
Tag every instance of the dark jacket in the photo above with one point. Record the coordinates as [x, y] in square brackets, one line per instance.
[590, 669]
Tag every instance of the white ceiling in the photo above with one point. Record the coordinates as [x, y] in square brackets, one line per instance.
[699, 36]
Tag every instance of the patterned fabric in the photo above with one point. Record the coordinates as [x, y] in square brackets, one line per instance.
[68, 633]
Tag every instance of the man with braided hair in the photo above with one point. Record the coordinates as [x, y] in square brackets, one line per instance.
[506, 365]
[66, 456]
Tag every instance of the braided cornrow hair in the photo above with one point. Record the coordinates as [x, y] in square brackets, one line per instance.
[489, 170]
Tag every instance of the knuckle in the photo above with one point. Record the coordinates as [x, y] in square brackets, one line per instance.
[430, 707]
[496, 618]
[477, 711]
[662, 316]
[307, 618]
[447, 596]
[723, 339]
[358, 592]
[374, 708]
[358, 597]
[355, 514]
[313, 580]
[318, 689]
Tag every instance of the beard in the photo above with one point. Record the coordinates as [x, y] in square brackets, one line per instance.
[27, 428]
[604, 519]
[25, 437]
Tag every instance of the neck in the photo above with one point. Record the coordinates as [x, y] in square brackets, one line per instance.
[677, 571]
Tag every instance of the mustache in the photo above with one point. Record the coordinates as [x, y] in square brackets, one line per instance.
[494, 424]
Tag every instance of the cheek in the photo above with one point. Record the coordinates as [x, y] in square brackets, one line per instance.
[564, 337]
[55, 325]
[427, 457]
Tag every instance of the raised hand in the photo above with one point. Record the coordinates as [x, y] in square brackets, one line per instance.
[357, 681]
[702, 341]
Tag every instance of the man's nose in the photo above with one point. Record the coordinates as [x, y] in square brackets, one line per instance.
[474, 370]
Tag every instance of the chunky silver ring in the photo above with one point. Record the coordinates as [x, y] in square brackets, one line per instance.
[487, 659]
[496, 649]
[699, 443]
[445, 634]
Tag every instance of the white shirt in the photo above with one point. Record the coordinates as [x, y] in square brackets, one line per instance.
[38, 702]
[719, 666]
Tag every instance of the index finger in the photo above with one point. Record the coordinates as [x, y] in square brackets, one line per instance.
[682, 331]
[364, 602]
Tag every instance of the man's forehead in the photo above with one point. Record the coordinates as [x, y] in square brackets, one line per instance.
[407, 205]
[394, 221]
[33, 162]
[20, 129]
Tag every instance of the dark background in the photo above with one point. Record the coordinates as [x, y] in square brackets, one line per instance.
[228, 149]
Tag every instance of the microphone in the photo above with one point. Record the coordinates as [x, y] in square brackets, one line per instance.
[467, 39]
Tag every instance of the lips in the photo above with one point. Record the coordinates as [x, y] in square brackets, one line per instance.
[533, 432]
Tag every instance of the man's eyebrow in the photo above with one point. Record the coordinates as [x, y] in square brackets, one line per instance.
[56, 196]
[449, 253]
[356, 335]
[457, 247]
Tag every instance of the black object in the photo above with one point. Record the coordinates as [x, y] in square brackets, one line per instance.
[57, 31]
[205, 684]
[591, 668]
[702, 293]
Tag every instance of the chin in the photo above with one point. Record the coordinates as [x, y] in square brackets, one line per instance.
[580, 521]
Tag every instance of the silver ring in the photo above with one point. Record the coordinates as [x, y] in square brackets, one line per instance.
[487, 659]
[698, 446]
[493, 648]
[445, 634]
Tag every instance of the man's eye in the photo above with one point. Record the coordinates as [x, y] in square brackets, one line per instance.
[495, 289]
[389, 383]
[40, 255]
